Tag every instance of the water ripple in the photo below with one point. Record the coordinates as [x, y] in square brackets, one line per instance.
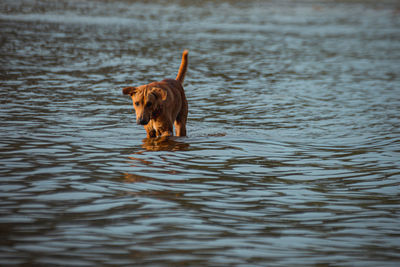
[293, 145]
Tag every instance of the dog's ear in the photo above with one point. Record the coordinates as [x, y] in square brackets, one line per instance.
[129, 91]
[159, 93]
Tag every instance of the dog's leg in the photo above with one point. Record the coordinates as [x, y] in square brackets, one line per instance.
[180, 122]
[151, 132]
[165, 130]
[180, 129]
[164, 133]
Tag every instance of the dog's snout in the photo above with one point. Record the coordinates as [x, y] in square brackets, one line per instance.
[142, 121]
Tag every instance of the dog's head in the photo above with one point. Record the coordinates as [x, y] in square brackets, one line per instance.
[146, 101]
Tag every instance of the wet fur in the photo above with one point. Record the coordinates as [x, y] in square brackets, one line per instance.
[160, 105]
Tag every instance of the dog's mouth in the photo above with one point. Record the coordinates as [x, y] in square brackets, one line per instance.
[142, 121]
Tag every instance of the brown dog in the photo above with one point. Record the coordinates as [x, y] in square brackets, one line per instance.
[159, 105]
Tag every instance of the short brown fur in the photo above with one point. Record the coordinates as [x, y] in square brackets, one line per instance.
[159, 105]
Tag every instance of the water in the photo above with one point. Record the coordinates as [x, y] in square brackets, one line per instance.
[292, 154]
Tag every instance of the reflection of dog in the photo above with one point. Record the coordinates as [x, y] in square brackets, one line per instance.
[159, 105]
[164, 144]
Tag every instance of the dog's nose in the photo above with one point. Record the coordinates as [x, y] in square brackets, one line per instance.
[142, 121]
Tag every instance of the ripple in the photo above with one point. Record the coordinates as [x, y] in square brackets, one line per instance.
[292, 149]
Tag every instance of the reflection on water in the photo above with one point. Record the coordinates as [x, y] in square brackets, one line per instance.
[292, 154]
[164, 144]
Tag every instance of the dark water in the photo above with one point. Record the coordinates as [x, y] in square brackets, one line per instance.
[293, 148]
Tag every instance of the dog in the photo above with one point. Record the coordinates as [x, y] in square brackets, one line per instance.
[159, 105]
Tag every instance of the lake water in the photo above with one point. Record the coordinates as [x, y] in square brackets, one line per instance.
[293, 148]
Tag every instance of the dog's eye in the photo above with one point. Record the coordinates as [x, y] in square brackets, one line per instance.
[148, 104]
[136, 103]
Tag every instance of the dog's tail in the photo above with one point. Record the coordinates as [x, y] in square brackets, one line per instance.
[182, 69]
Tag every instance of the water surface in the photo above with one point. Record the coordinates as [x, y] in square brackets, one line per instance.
[292, 154]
